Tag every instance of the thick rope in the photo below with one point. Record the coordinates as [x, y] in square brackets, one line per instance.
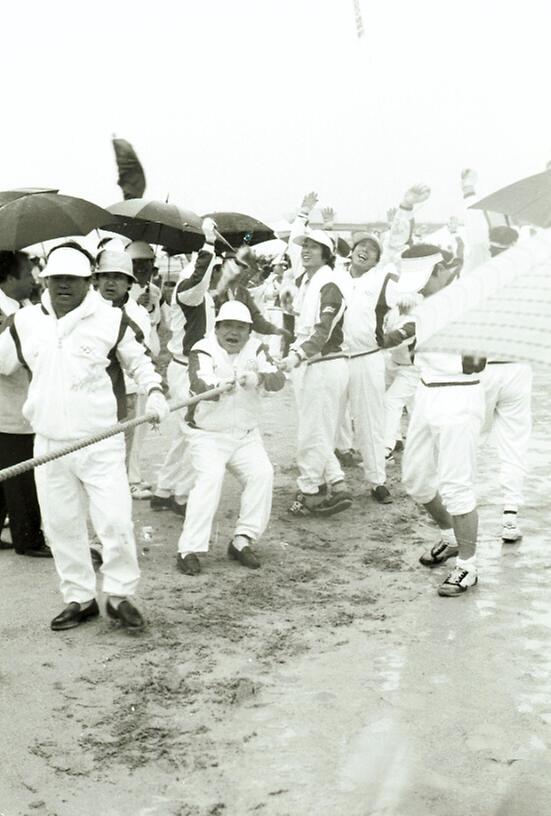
[120, 427]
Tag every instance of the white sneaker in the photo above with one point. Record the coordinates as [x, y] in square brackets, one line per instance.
[458, 581]
[510, 532]
[140, 491]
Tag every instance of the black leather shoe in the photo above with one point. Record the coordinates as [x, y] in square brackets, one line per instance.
[73, 615]
[39, 552]
[179, 509]
[5, 545]
[381, 494]
[126, 613]
[160, 503]
[188, 564]
[246, 556]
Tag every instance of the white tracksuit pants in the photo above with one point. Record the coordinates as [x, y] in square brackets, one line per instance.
[176, 475]
[367, 406]
[441, 445]
[508, 390]
[136, 442]
[320, 391]
[399, 395]
[90, 481]
[345, 432]
[244, 455]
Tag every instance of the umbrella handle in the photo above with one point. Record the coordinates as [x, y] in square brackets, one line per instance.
[221, 238]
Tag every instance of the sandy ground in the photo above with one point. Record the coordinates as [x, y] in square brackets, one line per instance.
[332, 681]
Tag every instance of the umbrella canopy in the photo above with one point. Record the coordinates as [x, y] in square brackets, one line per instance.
[239, 229]
[31, 219]
[12, 195]
[528, 201]
[157, 223]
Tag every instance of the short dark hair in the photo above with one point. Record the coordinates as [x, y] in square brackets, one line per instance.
[327, 256]
[11, 264]
[74, 245]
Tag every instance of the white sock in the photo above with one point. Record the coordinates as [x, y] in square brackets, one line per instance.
[448, 537]
[468, 564]
[240, 541]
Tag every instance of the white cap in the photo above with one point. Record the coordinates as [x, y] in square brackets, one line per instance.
[415, 273]
[234, 310]
[67, 261]
[319, 236]
[140, 251]
[114, 259]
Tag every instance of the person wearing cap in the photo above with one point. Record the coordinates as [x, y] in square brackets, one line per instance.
[320, 387]
[18, 500]
[373, 275]
[192, 313]
[508, 421]
[145, 292]
[72, 343]
[114, 277]
[439, 463]
[224, 435]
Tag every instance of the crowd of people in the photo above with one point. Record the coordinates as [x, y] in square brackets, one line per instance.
[334, 316]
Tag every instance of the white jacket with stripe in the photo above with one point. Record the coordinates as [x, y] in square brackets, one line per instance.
[75, 363]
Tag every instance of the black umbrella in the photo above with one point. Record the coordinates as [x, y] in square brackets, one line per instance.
[12, 195]
[157, 222]
[238, 228]
[39, 217]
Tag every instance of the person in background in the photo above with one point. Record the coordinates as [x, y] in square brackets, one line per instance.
[320, 387]
[224, 435]
[18, 499]
[114, 277]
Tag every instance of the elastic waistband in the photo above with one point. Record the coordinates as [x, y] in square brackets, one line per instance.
[445, 384]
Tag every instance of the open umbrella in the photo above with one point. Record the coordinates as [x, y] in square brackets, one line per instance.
[239, 229]
[157, 223]
[38, 217]
[12, 195]
[527, 201]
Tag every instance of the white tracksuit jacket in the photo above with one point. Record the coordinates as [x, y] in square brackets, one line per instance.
[72, 360]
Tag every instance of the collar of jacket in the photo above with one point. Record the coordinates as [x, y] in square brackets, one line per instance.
[67, 323]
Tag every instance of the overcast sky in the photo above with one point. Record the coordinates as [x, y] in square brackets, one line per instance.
[247, 104]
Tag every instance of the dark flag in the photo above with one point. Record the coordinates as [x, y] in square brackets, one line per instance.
[131, 175]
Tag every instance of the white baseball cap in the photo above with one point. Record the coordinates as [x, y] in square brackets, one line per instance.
[319, 236]
[234, 310]
[140, 251]
[416, 267]
[114, 259]
[67, 261]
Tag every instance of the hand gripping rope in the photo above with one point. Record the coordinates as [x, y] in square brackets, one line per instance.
[120, 427]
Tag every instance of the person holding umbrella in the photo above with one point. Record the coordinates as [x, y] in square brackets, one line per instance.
[71, 343]
[18, 499]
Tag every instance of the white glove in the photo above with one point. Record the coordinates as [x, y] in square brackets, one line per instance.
[157, 404]
[247, 379]
[209, 230]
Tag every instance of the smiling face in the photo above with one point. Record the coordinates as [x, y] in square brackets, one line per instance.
[312, 255]
[365, 256]
[143, 269]
[232, 335]
[67, 292]
[113, 286]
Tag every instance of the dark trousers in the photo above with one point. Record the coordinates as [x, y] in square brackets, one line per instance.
[18, 495]
[289, 324]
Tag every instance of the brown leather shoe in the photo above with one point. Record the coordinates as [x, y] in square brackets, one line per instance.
[247, 557]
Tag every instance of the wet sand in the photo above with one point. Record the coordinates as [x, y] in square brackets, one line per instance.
[334, 680]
